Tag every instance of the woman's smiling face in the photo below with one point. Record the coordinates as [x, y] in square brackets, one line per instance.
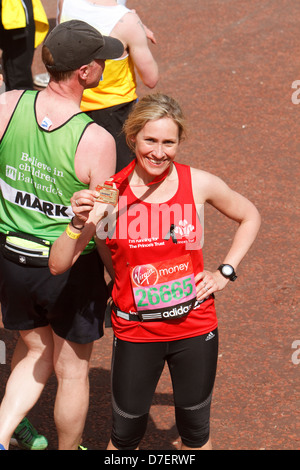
[156, 145]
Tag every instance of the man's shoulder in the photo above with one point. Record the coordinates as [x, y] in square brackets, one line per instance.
[8, 102]
[94, 130]
[128, 25]
[96, 139]
[10, 98]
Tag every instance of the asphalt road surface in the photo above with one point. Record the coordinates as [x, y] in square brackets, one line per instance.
[234, 67]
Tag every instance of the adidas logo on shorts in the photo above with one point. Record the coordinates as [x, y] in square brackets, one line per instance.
[209, 336]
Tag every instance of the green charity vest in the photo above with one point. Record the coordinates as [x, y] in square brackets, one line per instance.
[37, 173]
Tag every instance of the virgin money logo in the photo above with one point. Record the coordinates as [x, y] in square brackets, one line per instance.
[145, 275]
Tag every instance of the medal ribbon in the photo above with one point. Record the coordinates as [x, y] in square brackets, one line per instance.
[122, 175]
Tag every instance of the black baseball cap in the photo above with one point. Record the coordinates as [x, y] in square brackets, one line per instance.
[75, 43]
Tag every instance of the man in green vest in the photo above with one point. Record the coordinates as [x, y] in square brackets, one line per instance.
[48, 150]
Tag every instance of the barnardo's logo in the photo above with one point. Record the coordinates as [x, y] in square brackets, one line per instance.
[145, 275]
[11, 172]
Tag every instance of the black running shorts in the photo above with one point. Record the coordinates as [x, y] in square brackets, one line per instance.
[73, 303]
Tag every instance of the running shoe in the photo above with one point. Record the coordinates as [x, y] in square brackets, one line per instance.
[2, 447]
[26, 437]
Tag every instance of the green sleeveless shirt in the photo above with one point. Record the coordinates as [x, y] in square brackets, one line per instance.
[37, 173]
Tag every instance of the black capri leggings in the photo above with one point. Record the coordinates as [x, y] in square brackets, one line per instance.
[136, 369]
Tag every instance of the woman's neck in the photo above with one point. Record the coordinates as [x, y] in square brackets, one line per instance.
[140, 177]
[153, 189]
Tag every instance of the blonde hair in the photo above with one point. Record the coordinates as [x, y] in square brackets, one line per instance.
[150, 108]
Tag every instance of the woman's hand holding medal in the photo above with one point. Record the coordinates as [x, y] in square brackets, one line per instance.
[82, 204]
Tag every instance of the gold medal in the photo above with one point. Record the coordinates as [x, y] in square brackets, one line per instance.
[107, 194]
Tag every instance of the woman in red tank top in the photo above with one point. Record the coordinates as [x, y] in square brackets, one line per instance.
[162, 298]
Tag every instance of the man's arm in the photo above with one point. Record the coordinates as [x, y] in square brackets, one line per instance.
[210, 188]
[95, 159]
[131, 32]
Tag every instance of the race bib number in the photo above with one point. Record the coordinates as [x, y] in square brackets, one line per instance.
[164, 290]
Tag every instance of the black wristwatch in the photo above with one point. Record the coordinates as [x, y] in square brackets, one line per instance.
[227, 271]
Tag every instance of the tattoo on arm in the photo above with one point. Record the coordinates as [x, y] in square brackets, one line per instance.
[141, 25]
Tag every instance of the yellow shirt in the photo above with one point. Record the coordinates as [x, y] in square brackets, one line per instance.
[118, 83]
[117, 86]
[13, 17]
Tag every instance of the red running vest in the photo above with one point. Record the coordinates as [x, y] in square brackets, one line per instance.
[156, 251]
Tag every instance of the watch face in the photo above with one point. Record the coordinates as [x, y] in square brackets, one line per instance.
[227, 270]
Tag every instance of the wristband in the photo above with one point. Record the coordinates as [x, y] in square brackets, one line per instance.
[71, 234]
[77, 228]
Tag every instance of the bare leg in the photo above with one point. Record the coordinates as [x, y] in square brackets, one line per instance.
[71, 364]
[19, 353]
[27, 380]
[110, 446]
